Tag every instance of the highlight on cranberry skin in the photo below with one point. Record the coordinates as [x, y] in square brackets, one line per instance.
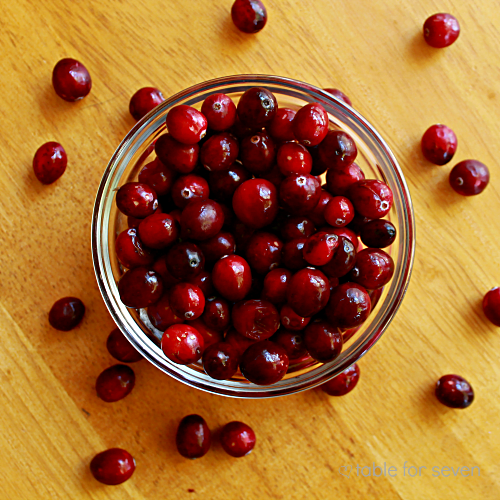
[145, 100]
[237, 439]
[186, 124]
[343, 383]
[454, 391]
[113, 466]
[439, 144]
[469, 177]
[491, 306]
[66, 313]
[193, 438]
[71, 80]
[441, 30]
[49, 162]
[249, 16]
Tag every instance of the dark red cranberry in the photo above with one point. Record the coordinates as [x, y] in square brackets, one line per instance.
[454, 391]
[179, 157]
[275, 286]
[255, 203]
[293, 158]
[343, 383]
[238, 341]
[469, 177]
[358, 222]
[317, 213]
[66, 313]
[292, 342]
[257, 153]
[187, 301]
[121, 349]
[49, 162]
[338, 180]
[257, 107]
[343, 259]
[373, 268]
[217, 313]
[145, 100]
[71, 80]
[299, 193]
[343, 231]
[371, 198]
[220, 112]
[263, 252]
[237, 439]
[185, 261]
[219, 245]
[130, 251]
[160, 267]
[439, 144]
[241, 130]
[223, 184]
[297, 227]
[291, 320]
[210, 335]
[158, 231]
[375, 296]
[264, 363]
[249, 16]
[310, 124]
[113, 466]
[193, 437]
[293, 256]
[491, 306]
[220, 360]
[337, 150]
[140, 287]
[136, 200]
[115, 382]
[242, 235]
[182, 344]
[349, 305]
[378, 233]
[339, 211]
[219, 152]
[441, 30]
[186, 124]
[338, 94]
[273, 175]
[319, 248]
[202, 219]
[255, 319]
[157, 176]
[161, 314]
[280, 128]
[232, 277]
[308, 292]
[323, 341]
[133, 223]
[203, 280]
[188, 188]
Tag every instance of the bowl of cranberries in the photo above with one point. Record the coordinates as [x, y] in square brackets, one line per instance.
[253, 236]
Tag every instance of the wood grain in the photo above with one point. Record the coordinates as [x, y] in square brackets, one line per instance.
[51, 421]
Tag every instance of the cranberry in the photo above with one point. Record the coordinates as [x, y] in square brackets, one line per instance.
[317, 213]
[257, 153]
[185, 260]
[223, 184]
[275, 286]
[145, 100]
[454, 391]
[66, 314]
[263, 252]
[441, 30]
[339, 95]
[180, 157]
[257, 107]
[186, 124]
[297, 227]
[203, 280]
[292, 342]
[157, 176]
[232, 277]
[338, 180]
[115, 383]
[140, 287]
[293, 255]
[161, 314]
[308, 292]
[343, 383]
[219, 152]
[237, 439]
[491, 306]
[371, 198]
[219, 245]
[322, 341]
[49, 162]
[343, 231]
[182, 344]
[337, 150]
[160, 267]
[188, 188]
[217, 313]
[136, 200]
[241, 130]
[343, 259]
[113, 466]
[130, 250]
[238, 341]
[202, 219]
[378, 233]
[157, 231]
[293, 158]
[210, 335]
[339, 211]
[121, 349]
[310, 124]
[242, 235]
[469, 177]
[319, 248]
[264, 363]
[299, 193]
[280, 128]
[255, 203]
[255, 319]
[193, 437]
[249, 16]
[133, 223]
[187, 301]
[220, 361]
[220, 112]
[349, 305]
[291, 320]
[273, 175]
[439, 144]
[71, 80]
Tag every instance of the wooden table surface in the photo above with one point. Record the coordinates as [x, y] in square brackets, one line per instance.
[51, 421]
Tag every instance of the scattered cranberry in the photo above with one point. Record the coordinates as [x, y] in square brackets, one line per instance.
[249, 16]
[337, 150]
[115, 382]
[439, 144]
[257, 107]
[310, 124]
[323, 341]
[220, 360]
[373, 268]
[237, 439]
[491, 306]
[292, 342]
[182, 344]
[66, 314]
[186, 124]
[130, 251]
[469, 177]
[188, 188]
[454, 391]
[441, 30]
[113, 466]
[257, 153]
[264, 363]
[121, 349]
[280, 128]
[220, 112]
[338, 94]
[193, 437]
[299, 193]
[349, 305]
[136, 200]
[255, 319]
[338, 180]
[343, 383]
[161, 314]
[263, 252]
[145, 100]
[319, 248]
[185, 261]
[202, 219]
[232, 277]
[339, 211]
[371, 198]
[308, 292]
[378, 233]
[275, 286]
[140, 287]
[293, 158]
[219, 152]
[49, 162]
[71, 80]
[157, 176]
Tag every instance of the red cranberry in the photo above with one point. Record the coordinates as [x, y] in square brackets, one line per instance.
[308, 292]
[338, 180]
[161, 314]
[378, 233]
[255, 319]
[145, 100]
[182, 344]
[121, 349]
[187, 301]
[310, 124]
[343, 259]
[219, 152]
[249, 16]
[291, 320]
[136, 200]
[217, 313]
[66, 314]
[280, 128]
[441, 30]
[237, 439]
[193, 437]
[339, 211]
[115, 382]
[349, 305]
[202, 219]
[157, 176]
[297, 227]
[374, 268]
[263, 252]
[113, 466]
[210, 335]
[322, 341]
[292, 342]
[232, 277]
[185, 261]
[160, 267]
[343, 231]
[317, 213]
[219, 245]
[491, 306]
[186, 124]
[49, 162]
[158, 231]
[293, 255]
[264, 363]
[439, 144]
[343, 383]
[319, 248]
[255, 203]
[299, 193]
[241, 130]
[275, 286]
[469, 177]
[188, 188]
[223, 184]
[130, 250]
[257, 107]
[293, 158]
[203, 280]
[220, 112]
[71, 80]
[337, 150]
[257, 153]
[220, 361]
[140, 287]
[238, 341]
[339, 95]
[179, 157]
[454, 391]
[371, 198]
[242, 235]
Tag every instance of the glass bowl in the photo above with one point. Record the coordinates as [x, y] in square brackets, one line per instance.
[374, 157]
